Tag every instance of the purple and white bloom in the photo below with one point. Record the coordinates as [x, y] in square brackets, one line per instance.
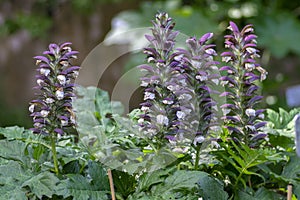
[60, 94]
[160, 81]
[52, 109]
[242, 74]
[61, 79]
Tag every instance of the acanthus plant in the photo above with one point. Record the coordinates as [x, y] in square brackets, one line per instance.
[179, 85]
[200, 68]
[241, 117]
[52, 111]
[161, 107]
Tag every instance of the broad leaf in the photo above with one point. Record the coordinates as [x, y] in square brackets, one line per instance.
[211, 188]
[98, 175]
[292, 169]
[124, 183]
[12, 176]
[13, 132]
[263, 193]
[43, 184]
[80, 188]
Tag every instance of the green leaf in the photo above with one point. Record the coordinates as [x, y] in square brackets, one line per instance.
[124, 183]
[12, 177]
[242, 195]
[72, 167]
[244, 160]
[296, 189]
[292, 169]
[182, 180]
[273, 116]
[211, 188]
[80, 188]
[263, 193]
[147, 180]
[13, 150]
[98, 175]
[43, 184]
[13, 132]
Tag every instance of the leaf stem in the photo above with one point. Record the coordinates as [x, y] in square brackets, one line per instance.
[54, 153]
[197, 157]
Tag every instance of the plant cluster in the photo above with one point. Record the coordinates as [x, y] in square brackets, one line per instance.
[198, 134]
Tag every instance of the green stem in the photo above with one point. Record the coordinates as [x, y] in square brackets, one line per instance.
[197, 158]
[54, 154]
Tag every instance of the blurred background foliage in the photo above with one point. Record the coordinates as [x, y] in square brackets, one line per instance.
[277, 24]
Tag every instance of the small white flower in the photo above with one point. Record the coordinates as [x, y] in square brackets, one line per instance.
[252, 128]
[180, 114]
[75, 74]
[61, 79]
[39, 82]
[44, 113]
[38, 125]
[226, 59]
[44, 71]
[178, 58]
[210, 51]
[149, 95]
[248, 30]
[186, 97]
[223, 83]
[250, 66]
[250, 112]
[150, 59]
[182, 82]
[167, 102]
[159, 64]
[198, 139]
[141, 120]
[67, 48]
[215, 107]
[31, 108]
[216, 81]
[215, 144]
[226, 111]
[60, 94]
[151, 132]
[145, 108]
[261, 116]
[162, 120]
[215, 128]
[154, 81]
[64, 63]
[64, 122]
[201, 77]
[251, 50]
[49, 100]
[72, 119]
[144, 84]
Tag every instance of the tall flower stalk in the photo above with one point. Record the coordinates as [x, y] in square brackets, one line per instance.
[179, 84]
[160, 105]
[52, 109]
[241, 80]
[202, 74]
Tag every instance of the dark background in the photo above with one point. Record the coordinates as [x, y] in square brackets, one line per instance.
[28, 26]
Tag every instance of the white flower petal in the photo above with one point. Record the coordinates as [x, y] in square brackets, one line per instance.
[44, 113]
[59, 94]
[61, 79]
[31, 108]
[250, 112]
